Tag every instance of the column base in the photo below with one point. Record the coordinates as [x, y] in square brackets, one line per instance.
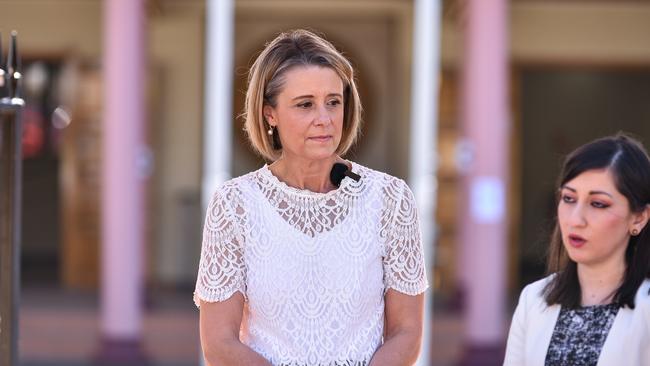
[121, 352]
[483, 355]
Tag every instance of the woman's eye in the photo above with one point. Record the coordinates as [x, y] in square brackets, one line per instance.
[335, 102]
[567, 199]
[597, 204]
[305, 105]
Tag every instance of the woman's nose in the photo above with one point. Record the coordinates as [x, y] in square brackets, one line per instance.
[577, 216]
[323, 116]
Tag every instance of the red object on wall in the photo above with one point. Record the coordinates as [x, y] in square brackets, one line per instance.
[33, 134]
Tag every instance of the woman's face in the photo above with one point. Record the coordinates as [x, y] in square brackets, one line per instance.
[595, 219]
[308, 113]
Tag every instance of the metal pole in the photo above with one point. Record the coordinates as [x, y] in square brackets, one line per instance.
[10, 202]
[217, 125]
[423, 160]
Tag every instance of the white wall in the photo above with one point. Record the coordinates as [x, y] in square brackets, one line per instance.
[605, 32]
[176, 52]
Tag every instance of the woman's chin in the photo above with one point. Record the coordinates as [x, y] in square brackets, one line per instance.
[320, 154]
[575, 255]
[581, 258]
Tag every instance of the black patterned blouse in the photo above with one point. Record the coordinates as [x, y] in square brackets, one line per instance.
[579, 335]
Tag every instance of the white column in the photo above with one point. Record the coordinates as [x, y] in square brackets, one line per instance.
[123, 213]
[217, 127]
[486, 125]
[217, 131]
[424, 138]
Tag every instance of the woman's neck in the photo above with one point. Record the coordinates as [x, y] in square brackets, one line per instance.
[598, 284]
[312, 175]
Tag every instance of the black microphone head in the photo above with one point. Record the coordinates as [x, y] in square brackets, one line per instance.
[338, 173]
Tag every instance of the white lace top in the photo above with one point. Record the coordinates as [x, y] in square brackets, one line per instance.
[313, 267]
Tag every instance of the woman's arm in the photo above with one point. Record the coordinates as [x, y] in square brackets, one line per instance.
[403, 330]
[219, 328]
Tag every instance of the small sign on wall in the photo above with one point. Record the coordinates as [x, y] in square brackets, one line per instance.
[487, 199]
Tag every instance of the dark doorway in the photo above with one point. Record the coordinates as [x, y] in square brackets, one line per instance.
[40, 191]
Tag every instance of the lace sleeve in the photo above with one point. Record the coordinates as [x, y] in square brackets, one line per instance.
[403, 259]
[221, 268]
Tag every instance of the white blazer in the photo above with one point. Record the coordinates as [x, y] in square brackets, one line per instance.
[627, 344]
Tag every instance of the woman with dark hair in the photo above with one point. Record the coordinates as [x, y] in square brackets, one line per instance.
[594, 307]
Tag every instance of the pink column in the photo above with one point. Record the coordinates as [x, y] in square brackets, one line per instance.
[486, 127]
[122, 184]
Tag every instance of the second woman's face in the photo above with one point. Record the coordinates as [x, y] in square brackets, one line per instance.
[595, 218]
[309, 113]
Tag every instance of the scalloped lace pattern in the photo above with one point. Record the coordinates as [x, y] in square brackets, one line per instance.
[313, 267]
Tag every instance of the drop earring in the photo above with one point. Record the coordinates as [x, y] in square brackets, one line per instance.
[275, 137]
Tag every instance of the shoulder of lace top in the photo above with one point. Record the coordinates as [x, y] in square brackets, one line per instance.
[403, 252]
[375, 178]
[221, 267]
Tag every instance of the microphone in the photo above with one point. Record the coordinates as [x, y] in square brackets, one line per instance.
[340, 171]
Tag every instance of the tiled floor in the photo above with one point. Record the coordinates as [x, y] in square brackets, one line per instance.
[62, 328]
[59, 328]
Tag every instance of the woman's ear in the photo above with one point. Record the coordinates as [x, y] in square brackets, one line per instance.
[641, 219]
[269, 115]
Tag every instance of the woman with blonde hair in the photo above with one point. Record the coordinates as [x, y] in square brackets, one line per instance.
[312, 259]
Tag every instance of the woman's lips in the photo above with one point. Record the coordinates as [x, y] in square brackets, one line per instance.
[576, 241]
[320, 138]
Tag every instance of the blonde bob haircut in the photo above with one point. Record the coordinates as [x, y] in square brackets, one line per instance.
[266, 79]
